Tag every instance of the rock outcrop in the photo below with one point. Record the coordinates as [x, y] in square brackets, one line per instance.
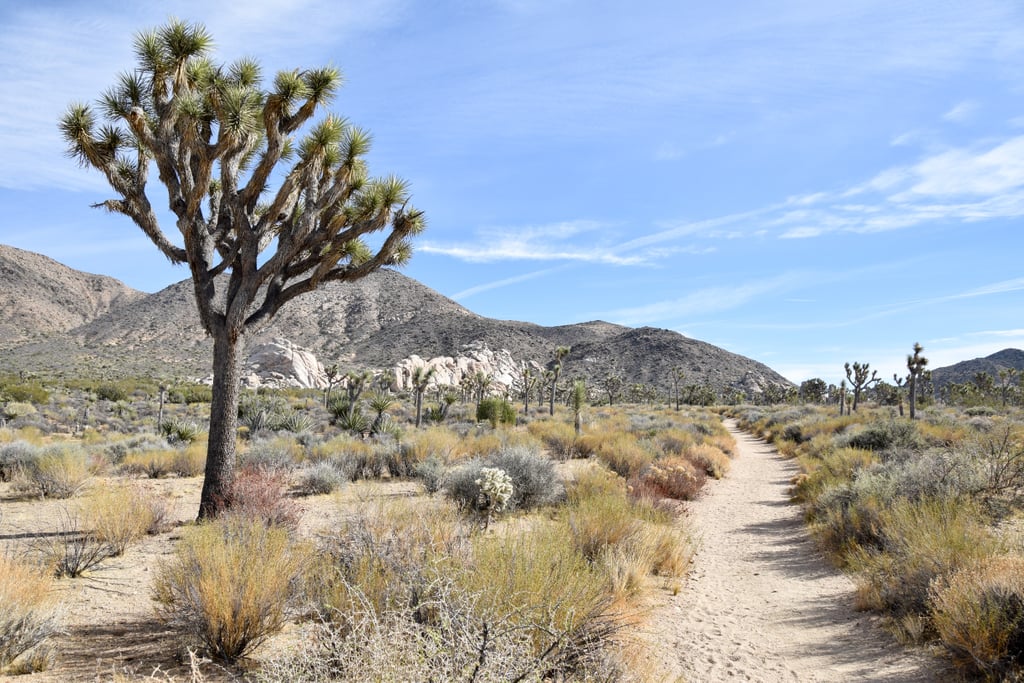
[282, 364]
[499, 366]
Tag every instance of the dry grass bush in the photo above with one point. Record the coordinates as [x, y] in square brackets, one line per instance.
[339, 447]
[711, 459]
[119, 515]
[673, 477]
[598, 522]
[16, 459]
[381, 559]
[59, 471]
[558, 437]
[829, 468]
[978, 612]
[435, 441]
[190, 461]
[320, 479]
[560, 599]
[623, 453]
[261, 494]
[276, 453]
[151, 463]
[921, 542]
[675, 441]
[30, 616]
[230, 585]
[482, 443]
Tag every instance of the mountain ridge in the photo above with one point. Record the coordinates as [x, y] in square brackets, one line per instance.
[374, 322]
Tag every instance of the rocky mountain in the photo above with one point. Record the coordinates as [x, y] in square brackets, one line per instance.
[965, 371]
[376, 322]
[40, 296]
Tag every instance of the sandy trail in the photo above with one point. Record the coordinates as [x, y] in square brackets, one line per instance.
[761, 604]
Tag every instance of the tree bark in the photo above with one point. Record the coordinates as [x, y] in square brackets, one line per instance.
[913, 397]
[220, 451]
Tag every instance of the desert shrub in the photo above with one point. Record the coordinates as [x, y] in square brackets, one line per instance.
[561, 599]
[674, 441]
[497, 411]
[920, 542]
[832, 467]
[151, 463]
[278, 453]
[623, 453]
[260, 494]
[59, 471]
[978, 612]
[230, 585]
[981, 411]
[179, 431]
[480, 443]
[674, 478]
[430, 473]
[710, 459]
[24, 392]
[345, 446]
[432, 442]
[594, 481]
[190, 393]
[598, 522]
[381, 559]
[189, 461]
[559, 437]
[534, 479]
[118, 515]
[30, 617]
[117, 451]
[460, 485]
[883, 436]
[320, 478]
[14, 410]
[71, 552]
[111, 392]
[16, 459]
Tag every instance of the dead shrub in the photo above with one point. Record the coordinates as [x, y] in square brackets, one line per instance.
[259, 493]
[673, 477]
[119, 515]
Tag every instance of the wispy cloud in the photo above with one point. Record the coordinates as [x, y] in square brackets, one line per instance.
[700, 302]
[497, 284]
[961, 112]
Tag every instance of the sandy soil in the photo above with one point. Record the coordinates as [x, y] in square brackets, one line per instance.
[761, 603]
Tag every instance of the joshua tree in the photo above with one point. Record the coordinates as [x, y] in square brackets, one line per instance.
[677, 385]
[813, 390]
[355, 382]
[481, 384]
[527, 381]
[578, 399]
[900, 383]
[379, 404]
[1007, 378]
[613, 385]
[420, 379]
[333, 374]
[860, 380]
[916, 364]
[842, 397]
[560, 353]
[218, 140]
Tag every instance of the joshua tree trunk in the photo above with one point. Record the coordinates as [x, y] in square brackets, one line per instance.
[220, 458]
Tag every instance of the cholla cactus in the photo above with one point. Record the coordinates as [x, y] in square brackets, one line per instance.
[495, 491]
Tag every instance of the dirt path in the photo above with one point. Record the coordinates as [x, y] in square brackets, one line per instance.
[761, 604]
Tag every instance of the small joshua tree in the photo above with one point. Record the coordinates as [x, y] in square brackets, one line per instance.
[578, 399]
[916, 364]
[560, 353]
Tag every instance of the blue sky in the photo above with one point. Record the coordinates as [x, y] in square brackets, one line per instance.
[805, 183]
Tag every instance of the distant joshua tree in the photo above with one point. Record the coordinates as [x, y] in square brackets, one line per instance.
[420, 379]
[527, 381]
[613, 386]
[677, 384]
[560, 353]
[916, 364]
[578, 399]
[860, 380]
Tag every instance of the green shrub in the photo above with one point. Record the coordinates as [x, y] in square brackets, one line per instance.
[14, 409]
[321, 478]
[884, 436]
[30, 617]
[431, 473]
[179, 431]
[496, 411]
[111, 392]
[230, 585]
[534, 479]
[24, 392]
